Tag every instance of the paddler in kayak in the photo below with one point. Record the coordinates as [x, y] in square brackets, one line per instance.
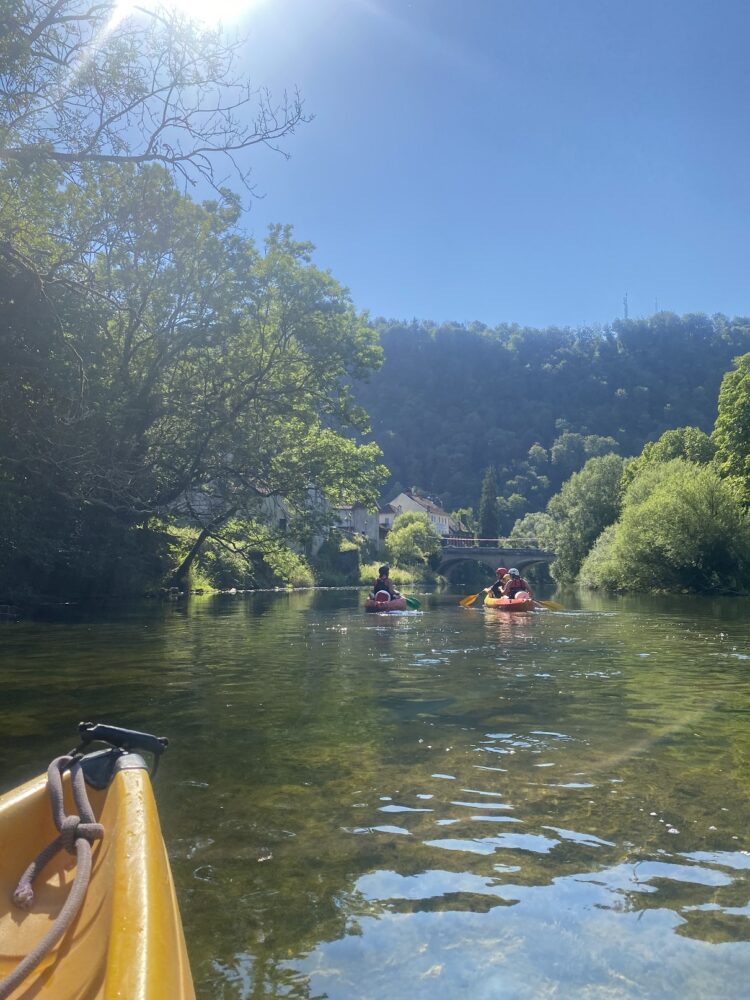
[501, 578]
[515, 584]
[385, 583]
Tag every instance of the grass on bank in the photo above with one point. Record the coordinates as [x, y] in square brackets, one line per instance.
[368, 573]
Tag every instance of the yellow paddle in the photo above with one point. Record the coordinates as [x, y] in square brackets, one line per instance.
[552, 605]
[466, 602]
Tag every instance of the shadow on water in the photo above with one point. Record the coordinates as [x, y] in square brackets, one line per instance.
[459, 802]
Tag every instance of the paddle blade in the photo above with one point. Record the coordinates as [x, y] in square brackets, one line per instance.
[412, 602]
[552, 605]
[466, 602]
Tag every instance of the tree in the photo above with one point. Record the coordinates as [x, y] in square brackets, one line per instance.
[200, 378]
[610, 389]
[681, 529]
[588, 502]
[538, 459]
[732, 430]
[538, 527]
[412, 540]
[488, 511]
[84, 84]
[465, 517]
[570, 452]
[690, 443]
[509, 508]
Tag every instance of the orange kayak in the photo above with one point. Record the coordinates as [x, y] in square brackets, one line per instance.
[519, 603]
[126, 940]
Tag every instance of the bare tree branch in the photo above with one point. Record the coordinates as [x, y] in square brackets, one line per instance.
[80, 85]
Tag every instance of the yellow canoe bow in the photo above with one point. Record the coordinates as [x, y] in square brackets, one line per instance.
[126, 941]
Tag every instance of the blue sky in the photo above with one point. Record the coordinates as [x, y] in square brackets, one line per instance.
[526, 161]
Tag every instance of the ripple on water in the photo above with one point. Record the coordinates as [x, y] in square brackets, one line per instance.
[394, 808]
[536, 843]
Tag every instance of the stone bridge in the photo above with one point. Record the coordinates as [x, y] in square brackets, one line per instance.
[493, 552]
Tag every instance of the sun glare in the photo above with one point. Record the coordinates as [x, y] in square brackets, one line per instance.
[213, 11]
[210, 12]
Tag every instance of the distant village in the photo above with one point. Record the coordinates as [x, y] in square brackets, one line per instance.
[375, 525]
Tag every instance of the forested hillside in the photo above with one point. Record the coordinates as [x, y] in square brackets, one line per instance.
[452, 400]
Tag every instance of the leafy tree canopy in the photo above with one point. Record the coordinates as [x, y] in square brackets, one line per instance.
[538, 403]
[176, 370]
[412, 540]
[732, 431]
[538, 527]
[690, 443]
[588, 502]
[681, 529]
[489, 524]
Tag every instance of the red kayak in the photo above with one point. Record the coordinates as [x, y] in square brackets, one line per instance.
[383, 601]
[521, 602]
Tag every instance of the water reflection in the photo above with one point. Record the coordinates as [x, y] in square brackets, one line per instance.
[451, 803]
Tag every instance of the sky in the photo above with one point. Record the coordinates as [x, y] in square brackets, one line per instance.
[524, 161]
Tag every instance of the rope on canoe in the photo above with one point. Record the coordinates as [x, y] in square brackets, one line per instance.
[77, 833]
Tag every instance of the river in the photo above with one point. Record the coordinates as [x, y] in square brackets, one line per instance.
[436, 804]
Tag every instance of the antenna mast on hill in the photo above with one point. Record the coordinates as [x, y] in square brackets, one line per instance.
[625, 305]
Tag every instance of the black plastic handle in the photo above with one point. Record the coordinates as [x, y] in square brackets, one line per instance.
[125, 739]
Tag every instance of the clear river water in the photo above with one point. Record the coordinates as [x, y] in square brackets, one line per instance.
[438, 804]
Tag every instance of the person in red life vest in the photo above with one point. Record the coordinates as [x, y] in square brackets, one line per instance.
[515, 584]
[501, 575]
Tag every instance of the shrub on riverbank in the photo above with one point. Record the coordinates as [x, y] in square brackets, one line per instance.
[681, 529]
[337, 561]
[400, 575]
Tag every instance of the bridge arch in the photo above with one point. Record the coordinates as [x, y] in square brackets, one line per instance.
[492, 552]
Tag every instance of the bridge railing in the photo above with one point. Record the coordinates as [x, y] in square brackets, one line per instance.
[453, 542]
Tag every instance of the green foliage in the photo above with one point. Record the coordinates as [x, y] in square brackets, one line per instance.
[732, 430]
[246, 555]
[489, 519]
[401, 575]
[289, 568]
[465, 516]
[681, 529]
[412, 541]
[171, 368]
[508, 510]
[588, 502]
[575, 393]
[337, 561]
[156, 363]
[539, 527]
[690, 443]
[570, 452]
[600, 569]
[648, 479]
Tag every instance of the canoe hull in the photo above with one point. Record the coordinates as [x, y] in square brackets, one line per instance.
[509, 603]
[396, 604]
[127, 939]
